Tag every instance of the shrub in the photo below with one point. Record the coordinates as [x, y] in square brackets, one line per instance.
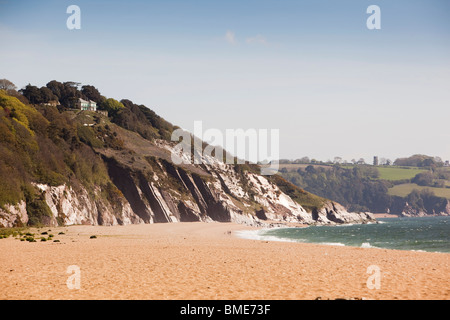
[6, 232]
[37, 208]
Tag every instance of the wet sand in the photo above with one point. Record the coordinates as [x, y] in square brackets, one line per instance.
[208, 261]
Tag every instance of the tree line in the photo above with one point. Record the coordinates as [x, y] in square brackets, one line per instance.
[417, 160]
[135, 117]
[359, 188]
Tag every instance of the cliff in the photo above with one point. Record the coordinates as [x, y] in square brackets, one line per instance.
[164, 193]
[105, 174]
[429, 206]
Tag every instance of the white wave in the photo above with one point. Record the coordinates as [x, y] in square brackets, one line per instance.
[257, 235]
[367, 245]
[339, 244]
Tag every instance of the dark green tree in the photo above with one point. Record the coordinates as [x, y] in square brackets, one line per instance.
[32, 93]
[47, 95]
[92, 93]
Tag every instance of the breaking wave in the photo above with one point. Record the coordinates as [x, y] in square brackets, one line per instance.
[431, 234]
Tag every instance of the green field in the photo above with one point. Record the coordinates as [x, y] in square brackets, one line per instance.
[390, 173]
[402, 190]
[296, 166]
[398, 173]
[393, 173]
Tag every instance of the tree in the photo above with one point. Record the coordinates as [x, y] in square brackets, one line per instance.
[57, 88]
[91, 93]
[32, 93]
[337, 160]
[310, 169]
[428, 162]
[70, 94]
[7, 85]
[36, 95]
[111, 105]
[66, 92]
[304, 160]
[424, 179]
[47, 95]
[419, 160]
[439, 161]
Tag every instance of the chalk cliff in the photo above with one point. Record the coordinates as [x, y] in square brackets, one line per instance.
[166, 193]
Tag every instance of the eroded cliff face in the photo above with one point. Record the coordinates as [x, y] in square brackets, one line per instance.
[166, 193]
[14, 215]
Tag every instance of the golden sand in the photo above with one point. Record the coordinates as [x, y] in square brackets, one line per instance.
[208, 261]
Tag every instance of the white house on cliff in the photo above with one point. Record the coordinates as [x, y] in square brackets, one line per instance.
[86, 105]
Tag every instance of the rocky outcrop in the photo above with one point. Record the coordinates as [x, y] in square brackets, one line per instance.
[434, 207]
[14, 215]
[333, 212]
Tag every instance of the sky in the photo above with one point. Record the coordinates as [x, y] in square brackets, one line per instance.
[311, 69]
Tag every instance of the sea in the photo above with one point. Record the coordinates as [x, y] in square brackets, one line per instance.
[430, 234]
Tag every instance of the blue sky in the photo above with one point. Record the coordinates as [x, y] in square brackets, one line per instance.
[309, 68]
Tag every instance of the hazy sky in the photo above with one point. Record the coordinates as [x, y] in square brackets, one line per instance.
[309, 68]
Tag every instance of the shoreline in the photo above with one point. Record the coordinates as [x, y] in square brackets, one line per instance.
[209, 261]
[255, 236]
[385, 215]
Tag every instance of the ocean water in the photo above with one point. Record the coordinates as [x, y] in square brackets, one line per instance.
[430, 234]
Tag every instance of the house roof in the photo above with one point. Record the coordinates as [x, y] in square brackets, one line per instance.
[84, 101]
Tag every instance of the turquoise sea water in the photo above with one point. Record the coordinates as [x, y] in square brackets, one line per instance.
[421, 234]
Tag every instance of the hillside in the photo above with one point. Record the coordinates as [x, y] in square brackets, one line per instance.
[404, 189]
[61, 166]
[421, 186]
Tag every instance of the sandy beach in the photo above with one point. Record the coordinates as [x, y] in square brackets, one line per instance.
[208, 261]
